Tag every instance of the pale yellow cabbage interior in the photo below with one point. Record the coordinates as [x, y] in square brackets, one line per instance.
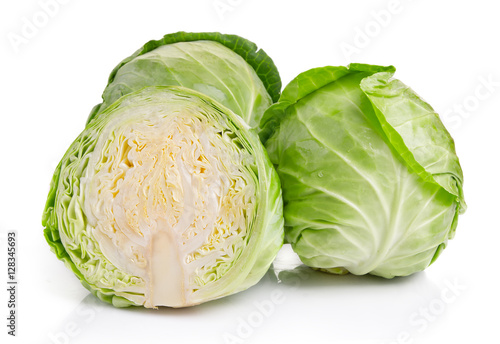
[169, 200]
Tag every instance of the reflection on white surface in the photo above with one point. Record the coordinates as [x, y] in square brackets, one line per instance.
[347, 307]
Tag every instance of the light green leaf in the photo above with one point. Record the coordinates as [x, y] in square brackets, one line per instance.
[354, 200]
[228, 68]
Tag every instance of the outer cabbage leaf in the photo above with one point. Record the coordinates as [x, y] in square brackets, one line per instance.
[371, 181]
[228, 68]
[166, 199]
[402, 115]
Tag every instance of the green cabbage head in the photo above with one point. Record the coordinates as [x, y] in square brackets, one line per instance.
[227, 68]
[167, 198]
[371, 181]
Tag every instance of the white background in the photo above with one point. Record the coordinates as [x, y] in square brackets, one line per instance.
[445, 50]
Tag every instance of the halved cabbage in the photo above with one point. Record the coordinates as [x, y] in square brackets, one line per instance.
[165, 199]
